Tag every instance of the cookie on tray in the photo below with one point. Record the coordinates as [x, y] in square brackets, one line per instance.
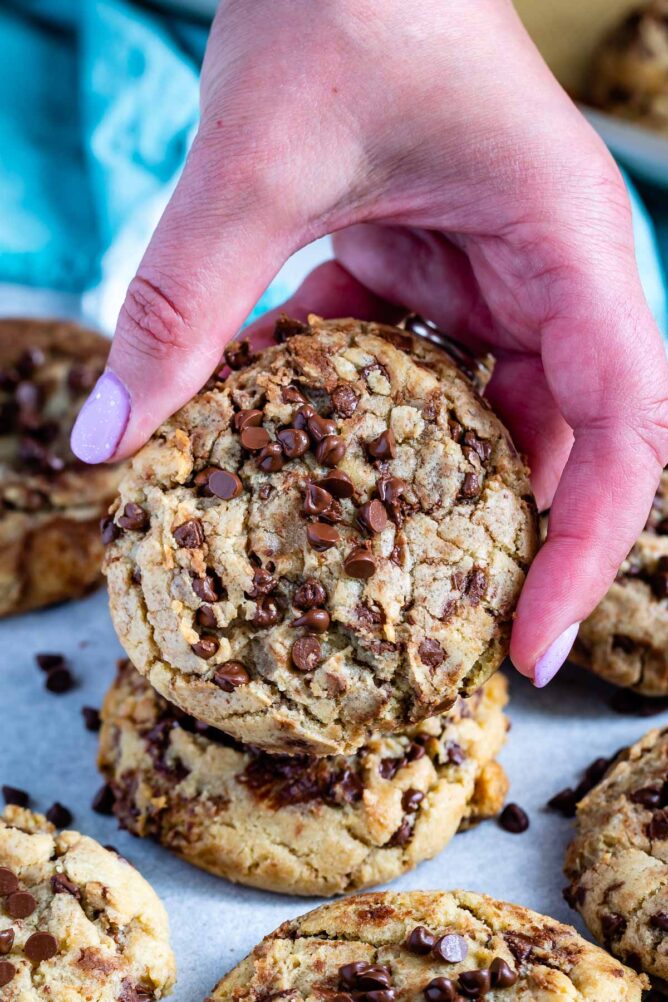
[50, 503]
[77, 922]
[296, 824]
[427, 945]
[630, 72]
[625, 640]
[618, 862]
[328, 544]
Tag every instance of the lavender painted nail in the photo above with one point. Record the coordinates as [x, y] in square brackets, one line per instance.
[551, 661]
[102, 420]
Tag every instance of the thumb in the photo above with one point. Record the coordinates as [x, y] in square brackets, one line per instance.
[219, 243]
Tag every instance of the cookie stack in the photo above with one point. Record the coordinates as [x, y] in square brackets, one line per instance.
[313, 568]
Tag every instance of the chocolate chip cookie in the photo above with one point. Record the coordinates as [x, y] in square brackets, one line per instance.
[328, 544]
[442, 947]
[50, 504]
[618, 862]
[630, 72]
[292, 823]
[625, 640]
[77, 922]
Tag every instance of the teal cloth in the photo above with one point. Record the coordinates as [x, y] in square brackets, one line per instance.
[98, 106]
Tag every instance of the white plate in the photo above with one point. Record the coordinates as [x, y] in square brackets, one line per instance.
[644, 152]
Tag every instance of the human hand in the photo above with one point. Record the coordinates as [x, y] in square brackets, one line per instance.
[461, 183]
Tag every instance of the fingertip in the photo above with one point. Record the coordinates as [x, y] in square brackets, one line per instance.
[544, 668]
[102, 421]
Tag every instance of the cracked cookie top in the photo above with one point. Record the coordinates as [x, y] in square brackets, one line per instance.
[437, 946]
[76, 921]
[618, 862]
[326, 544]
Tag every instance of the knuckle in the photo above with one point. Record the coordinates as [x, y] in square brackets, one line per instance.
[150, 323]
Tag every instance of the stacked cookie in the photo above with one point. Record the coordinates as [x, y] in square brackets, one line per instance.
[313, 564]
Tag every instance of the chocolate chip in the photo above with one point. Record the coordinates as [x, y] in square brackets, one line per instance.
[301, 416]
[6, 942]
[254, 439]
[622, 643]
[294, 441]
[230, 675]
[306, 654]
[248, 418]
[12, 795]
[7, 972]
[224, 485]
[420, 941]
[316, 500]
[647, 796]
[380, 995]
[205, 588]
[470, 487]
[91, 717]
[189, 535]
[658, 827]
[382, 447]
[109, 531]
[286, 328]
[20, 904]
[513, 819]
[134, 518]
[372, 516]
[613, 926]
[402, 835]
[104, 800]
[344, 400]
[291, 395]
[473, 984]
[270, 459]
[337, 483]
[360, 563]
[40, 946]
[440, 990]
[481, 447]
[266, 612]
[373, 976]
[431, 653]
[389, 767]
[206, 617]
[452, 948]
[660, 921]
[47, 662]
[453, 753]
[319, 427]
[309, 595]
[59, 680]
[60, 884]
[238, 354]
[503, 976]
[206, 647]
[314, 621]
[265, 491]
[348, 973]
[321, 536]
[411, 800]
[330, 451]
[9, 882]
[59, 815]
[263, 583]
[564, 802]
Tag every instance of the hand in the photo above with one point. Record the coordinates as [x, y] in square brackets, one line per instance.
[462, 183]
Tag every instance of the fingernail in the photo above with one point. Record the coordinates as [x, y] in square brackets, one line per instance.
[550, 662]
[102, 420]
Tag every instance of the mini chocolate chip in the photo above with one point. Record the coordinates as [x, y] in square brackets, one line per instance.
[613, 926]
[60, 884]
[225, 485]
[658, 826]
[316, 500]
[420, 941]
[372, 516]
[91, 717]
[248, 418]
[321, 536]
[9, 882]
[513, 819]
[12, 795]
[189, 535]
[59, 680]
[294, 441]
[306, 654]
[109, 531]
[40, 946]
[431, 653]
[104, 800]
[205, 588]
[20, 904]
[320, 427]
[254, 439]
[564, 802]
[382, 447]
[470, 487]
[7, 972]
[301, 416]
[330, 451]
[344, 400]
[452, 948]
[238, 354]
[206, 617]
[206, 647]
[503, 976]
[440, 990]
[337, 483]
[286, 328]
[309, 595]
[411, 800]
[134, 518]
[266, 612]
[475, 983]
[314, 621]
[230, 675]
[6, 941]
[360, 563]
[660, 921]
[59, 815]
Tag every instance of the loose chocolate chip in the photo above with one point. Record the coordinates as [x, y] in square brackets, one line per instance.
[316, 500]
[372, 516]
[337, 483]
[452, 948]
[9, 882]
[344, 400]
[134, 518]
[431, 653]
[59, 815]
[319, 427]
[270, 459]
[7, 972]
[564, 802]
[206, 617]
[205, 588]
[286, 327]
[301, 416]
[91, 717]
[206, 647]
[238, 354]
[266, 612]
[470, 487]
[189, 535]
[613, 926]
[6, 941]
[60, 884]
[40, 946]
[254, 439]
[473, 984]
[306, 654]
[12, 795]
[420, 941]
[230, 675]
[321, 536]
[314, 621]
[59, 680]
[440, 990]
[660, 921]
[249, 418]
[20, 904]
[658, 827]
[411, 800]
[513, 819]
[503, 976]
[294, 441]
[382, 447]
[109, 531]
[225, 485]
[330, 451]
[309, 595]
[360, 563]
[104, 800]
